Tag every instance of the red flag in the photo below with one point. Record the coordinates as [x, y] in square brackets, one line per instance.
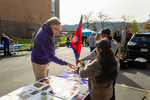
[76, 40]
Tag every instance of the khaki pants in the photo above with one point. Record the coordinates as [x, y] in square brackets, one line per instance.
[40, 70]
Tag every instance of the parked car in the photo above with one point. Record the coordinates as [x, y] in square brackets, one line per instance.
[139, 46]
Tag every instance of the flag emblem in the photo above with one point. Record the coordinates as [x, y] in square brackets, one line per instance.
[75, 39]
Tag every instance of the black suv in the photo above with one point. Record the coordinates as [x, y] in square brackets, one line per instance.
[139, 46]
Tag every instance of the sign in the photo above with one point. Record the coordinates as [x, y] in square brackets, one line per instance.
[31, 30]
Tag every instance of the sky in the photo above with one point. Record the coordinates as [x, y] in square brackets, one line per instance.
[71, 10]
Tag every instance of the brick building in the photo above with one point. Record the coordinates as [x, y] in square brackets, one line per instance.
[16, 16]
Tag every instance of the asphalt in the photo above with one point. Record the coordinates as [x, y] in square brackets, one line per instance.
[16, 71]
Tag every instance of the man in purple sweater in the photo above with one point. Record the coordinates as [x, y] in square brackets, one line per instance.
[43, 51]
[5, 40]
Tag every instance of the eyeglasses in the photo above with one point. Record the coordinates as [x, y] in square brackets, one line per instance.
[56, 29]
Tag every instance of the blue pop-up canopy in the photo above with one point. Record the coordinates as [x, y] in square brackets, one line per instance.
[87, 31]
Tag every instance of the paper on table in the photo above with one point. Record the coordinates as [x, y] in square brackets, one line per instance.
[81, 93]
[67, 89]
[23, 93]
[62, 87]
[42, 85]
[6, 97]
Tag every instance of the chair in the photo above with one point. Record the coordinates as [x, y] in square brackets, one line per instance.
[12, 49]
[147, 96]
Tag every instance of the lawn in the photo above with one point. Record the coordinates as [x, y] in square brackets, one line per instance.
[27, 42]
[23, 41]
[26, 46]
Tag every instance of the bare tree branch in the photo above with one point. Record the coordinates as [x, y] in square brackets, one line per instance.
[127, 20]
[103, 18]
[40, 12]
[87, 20]
[28, 17]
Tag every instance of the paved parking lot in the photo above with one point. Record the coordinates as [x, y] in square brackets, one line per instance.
[16, 71]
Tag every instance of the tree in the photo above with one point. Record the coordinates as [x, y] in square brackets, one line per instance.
[136, 26]
[146, 27]
[129, 27]
[133, 26]
[104, 19]
[127, 20]
[40, 12]
[28, 17]
[87, 20]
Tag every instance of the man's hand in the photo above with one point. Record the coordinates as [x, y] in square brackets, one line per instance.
[71, 66]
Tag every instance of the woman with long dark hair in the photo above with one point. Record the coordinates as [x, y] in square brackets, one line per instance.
[102, 72]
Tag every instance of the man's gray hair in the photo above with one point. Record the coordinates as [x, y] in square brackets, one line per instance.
[54, 21]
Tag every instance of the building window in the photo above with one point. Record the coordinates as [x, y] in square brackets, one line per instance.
[53, 8]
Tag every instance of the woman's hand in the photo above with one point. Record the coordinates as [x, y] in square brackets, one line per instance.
[77, 61]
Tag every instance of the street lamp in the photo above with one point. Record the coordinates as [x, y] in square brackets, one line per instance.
[32, 32]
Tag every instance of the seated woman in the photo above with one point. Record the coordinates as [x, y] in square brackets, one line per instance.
[101, 72]
[12, 50]
[11, 42]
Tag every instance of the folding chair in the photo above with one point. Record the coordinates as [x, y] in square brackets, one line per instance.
[147, 96]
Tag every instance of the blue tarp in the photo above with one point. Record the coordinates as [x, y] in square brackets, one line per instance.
[147, 32]
[87, 31]
[16, 46]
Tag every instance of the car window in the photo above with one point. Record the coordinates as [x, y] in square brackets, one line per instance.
[141, 38]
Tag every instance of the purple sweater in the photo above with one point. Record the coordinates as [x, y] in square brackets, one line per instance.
[44, 47]
[5, 39]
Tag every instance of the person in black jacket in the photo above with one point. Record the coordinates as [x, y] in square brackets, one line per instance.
[117, 37]
[83, 37]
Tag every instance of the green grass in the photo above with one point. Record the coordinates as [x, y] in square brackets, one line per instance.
[23, 47]
[61, 39]
[26, 46]
[23, 41]
[57, 44]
